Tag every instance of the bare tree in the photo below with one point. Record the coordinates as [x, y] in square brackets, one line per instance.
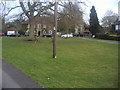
[70, 16]
[107, 21]
[30, 8]
[5, 10]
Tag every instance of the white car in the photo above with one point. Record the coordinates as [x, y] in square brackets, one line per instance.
[66, 35]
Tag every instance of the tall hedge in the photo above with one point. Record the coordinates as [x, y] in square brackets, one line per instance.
[107, 37]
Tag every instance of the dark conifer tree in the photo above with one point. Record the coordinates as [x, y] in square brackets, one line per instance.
[94, 23]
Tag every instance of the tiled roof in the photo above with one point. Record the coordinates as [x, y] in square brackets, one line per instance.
[25, 22]
[86, 31]
[11, 29]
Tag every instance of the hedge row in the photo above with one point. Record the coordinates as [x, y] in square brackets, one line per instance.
[107, 37]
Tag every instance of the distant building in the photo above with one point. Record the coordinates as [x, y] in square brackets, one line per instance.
[42, 25]
[119, 10]
[79, 27]
[11, 31]
[116, 24]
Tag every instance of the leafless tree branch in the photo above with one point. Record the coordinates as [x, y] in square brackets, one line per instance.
[24, 10]
[11, 10]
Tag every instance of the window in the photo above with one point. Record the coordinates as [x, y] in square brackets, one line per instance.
[117, 27]
[44, 31]
[50, 31]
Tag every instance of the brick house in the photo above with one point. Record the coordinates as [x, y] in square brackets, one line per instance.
[42, 25]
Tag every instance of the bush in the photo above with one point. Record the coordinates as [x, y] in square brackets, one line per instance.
[108, 37]
[101, 36]
[21, 32]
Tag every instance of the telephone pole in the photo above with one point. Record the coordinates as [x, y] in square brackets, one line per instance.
[55, 30]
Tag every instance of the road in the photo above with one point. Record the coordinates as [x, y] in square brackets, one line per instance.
[14, 78]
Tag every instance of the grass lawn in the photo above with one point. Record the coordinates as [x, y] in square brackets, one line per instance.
[79, 64]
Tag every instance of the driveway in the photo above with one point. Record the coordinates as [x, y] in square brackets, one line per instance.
[14, 78]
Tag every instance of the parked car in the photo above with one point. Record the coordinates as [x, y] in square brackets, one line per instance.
[17, 35]
[26, 34]
[47, 35]
[2, 34]
[66, 35]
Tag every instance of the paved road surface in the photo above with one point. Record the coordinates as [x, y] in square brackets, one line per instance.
[14, 78]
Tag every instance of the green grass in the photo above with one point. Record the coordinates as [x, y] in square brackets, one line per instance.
[79, 63]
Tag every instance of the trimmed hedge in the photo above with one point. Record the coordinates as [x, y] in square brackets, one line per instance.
[107, 37]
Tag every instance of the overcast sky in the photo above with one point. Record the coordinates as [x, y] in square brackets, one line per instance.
[101, 7]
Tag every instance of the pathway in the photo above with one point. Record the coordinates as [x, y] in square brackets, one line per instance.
[14, 78]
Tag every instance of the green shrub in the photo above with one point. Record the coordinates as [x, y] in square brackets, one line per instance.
[101, 36]
[21, 32]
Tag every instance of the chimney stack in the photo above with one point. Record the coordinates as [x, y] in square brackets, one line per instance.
[119, 10]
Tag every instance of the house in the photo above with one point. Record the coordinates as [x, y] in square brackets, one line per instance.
[87, 33]
[79, 29]
[42, 25]
[11, 31]
[116, 24]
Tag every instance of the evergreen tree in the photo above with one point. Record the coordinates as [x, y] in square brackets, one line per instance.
[94, 23]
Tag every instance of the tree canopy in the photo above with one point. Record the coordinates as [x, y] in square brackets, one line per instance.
[70, 16]
[107, 21]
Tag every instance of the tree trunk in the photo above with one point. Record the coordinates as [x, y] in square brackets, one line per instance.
[31, 32]
[3, 25]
